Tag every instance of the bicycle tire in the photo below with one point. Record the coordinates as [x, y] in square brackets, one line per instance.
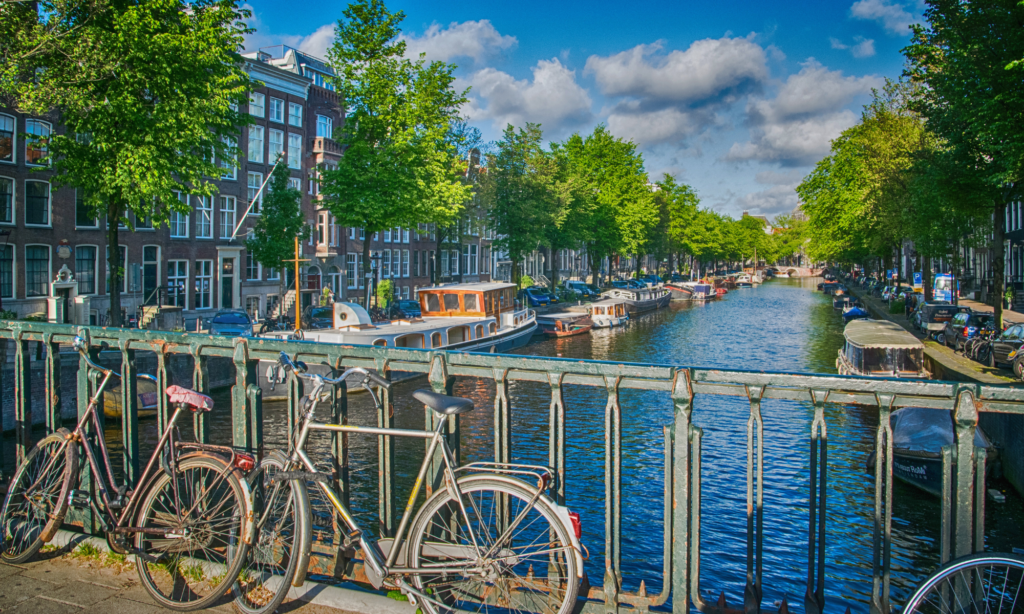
[511, 580]
[283, 534]
[963, 587]
[169, 568]
[24, 527]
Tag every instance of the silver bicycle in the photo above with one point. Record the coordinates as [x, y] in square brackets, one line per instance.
[486, 540]
[985, 583]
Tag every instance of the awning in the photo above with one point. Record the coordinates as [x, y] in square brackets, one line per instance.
[879, 334]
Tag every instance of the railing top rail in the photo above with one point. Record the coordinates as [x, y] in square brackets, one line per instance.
[730, 382]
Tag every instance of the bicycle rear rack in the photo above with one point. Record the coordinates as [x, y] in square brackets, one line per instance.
[541, 473]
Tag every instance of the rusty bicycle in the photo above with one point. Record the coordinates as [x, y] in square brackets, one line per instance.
[187, 523]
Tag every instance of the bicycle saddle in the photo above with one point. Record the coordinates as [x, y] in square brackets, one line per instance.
[195, 401]
[442, 404]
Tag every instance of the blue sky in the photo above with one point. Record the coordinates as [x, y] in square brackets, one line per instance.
[737, 98]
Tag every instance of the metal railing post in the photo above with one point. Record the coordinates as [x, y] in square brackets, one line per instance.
[965, 422]
[22, 396]
[129, 414]
[882, 534]
[385, 454]
[814, 598]
[54, 393]
[201, 384]
[613, 495]
[682, 502]
[755, 505]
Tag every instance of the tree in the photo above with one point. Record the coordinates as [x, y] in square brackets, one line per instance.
[399, 166]
[519, 193]
[147, 91]
[272, 239]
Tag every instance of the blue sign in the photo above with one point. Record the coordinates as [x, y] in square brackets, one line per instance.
[918, 280]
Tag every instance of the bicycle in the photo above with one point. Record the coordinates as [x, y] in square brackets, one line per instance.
[985, 583]
[190, 517]
[484, 539]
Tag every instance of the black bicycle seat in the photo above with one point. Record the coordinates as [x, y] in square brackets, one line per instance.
[443, 404]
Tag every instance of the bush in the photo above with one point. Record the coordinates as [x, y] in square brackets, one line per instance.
[525, 282]
[7, 314]
[897, 306]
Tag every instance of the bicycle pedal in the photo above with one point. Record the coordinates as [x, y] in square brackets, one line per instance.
[117, 504]
[78, 500]
[351, 541]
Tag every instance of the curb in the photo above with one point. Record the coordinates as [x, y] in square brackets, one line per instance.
[351, 600]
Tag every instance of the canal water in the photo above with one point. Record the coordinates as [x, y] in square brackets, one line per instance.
[783, 325]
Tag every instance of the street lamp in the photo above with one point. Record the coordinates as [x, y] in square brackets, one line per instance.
[371, 287]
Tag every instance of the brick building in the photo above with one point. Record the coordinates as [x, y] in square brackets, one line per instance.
[194, 263]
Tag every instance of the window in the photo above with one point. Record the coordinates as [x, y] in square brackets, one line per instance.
[274, 274]
[256, 143]
[256, 105]
[455, 262]
[177, 283]
[37, 203]
[146, 223]
[396, 234]
[37, 270]
[405, 263]
[204, 217]
[324, 126]
[396, 263]
[35, 144]
[276, 110]
[83, 217]
[294, 114]
[350, 269]
[294, 150]
[387, 236]
[444, 262]
[204, 283]
[276, 145]
[321, 228]
[227, 217]
[386, 264]
[405, 235]
[7, 271]
[405, 293]
[123, 266]
[255, 182]
[85, 268]
[7, 138]
[415, 264]
[252, 268]
[230, 163]
[295, 183]
[335, 239]
[179, 220]
[465, 260]
[6, 200]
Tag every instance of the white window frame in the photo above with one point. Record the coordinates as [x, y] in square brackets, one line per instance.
[95, 269]
[231, 165]
[259, 268]
[199, 266]
[204, 211]
[257, 207]
[169, 278]
[14, 139]
[49, 204]
[276, 102]
[292, 117]
[387, 235]
[14, 199]
[274, 274]
[405, 263]
[179, 220]
[257, 101]
[294, 150]
[256, 155]
[405, 235]
[295, 183]
[95, 222]
[325, 126]
[396, 263]
[227, 224]
[29, 123]
[276, 148]
[49, 272]
[351, 268]
[385, 264]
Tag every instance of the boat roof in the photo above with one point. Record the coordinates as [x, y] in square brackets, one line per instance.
[481, 286]
[565, 315]
[608, 301]
[876, 333]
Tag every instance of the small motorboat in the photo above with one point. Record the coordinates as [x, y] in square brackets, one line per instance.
[564, 324]
[918, 436]
[855, 313]
[744, 281]
[881, 349]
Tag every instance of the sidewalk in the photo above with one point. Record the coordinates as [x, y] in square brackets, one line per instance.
[77, 576]
[1013, 317]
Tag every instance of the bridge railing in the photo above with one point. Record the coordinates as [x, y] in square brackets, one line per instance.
[963, 484]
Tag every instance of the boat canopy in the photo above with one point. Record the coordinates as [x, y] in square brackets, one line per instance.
[879, 334]
[476, 299]
[927, 430]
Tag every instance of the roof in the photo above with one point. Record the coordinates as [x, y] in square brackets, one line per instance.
[876, 333]
[475, 287]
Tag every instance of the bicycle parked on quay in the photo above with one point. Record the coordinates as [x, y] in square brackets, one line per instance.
[187, 522]
[485, 540]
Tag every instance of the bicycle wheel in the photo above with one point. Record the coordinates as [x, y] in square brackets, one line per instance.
[283, 534]
[37, 497]
[192, 548]
[986, 583]
[532, 568]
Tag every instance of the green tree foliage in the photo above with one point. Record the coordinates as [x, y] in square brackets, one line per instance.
[385, 293]
[400, 166]
[147, 92]
[272, 239]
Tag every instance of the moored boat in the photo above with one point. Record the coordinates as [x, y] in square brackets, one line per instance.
[855, 313]
[918, 436]
[881, 349]
[608, 313]
[564, 324]
[690, 291]
[640, 300]
[744, 281]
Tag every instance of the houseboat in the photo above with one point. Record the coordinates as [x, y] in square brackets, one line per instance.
[881, 349]
[476, 317]
[564, 324]
[640, 300]
[691, 291]
[744, 281]
[607, 313]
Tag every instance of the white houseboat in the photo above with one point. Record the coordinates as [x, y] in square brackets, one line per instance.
[640, 300]
[608, 313]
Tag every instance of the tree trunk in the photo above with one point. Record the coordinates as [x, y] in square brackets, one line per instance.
[637, 267]
[595, 267]
[114, 260]
[554, 270]
[926, 278]
[367, 268]
[997, 260]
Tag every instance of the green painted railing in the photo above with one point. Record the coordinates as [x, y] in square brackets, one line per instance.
[963, 485]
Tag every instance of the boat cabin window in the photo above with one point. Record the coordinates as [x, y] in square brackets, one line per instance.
[409, 341]
[494, 327]
[458, 334]
[435, 340]
[433, 304]
[470, 302]
[380, 342]
[479, 330]
[451, 302]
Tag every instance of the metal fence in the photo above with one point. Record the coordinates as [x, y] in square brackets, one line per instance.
[963, 484]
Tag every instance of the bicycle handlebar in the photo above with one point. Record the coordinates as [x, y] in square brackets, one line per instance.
[300, 368]
[83, 348]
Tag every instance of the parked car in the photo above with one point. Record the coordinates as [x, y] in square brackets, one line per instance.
[232, 323]
[966, 325]
[534, 297]
[931, 318]
[651, 280]
[676, 277]
[552, 299]
[628, 284]
[1006, 343]
[318, 318]
[580, 289]
[408, 309]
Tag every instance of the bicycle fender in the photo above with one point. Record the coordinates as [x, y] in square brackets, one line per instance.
[560, 511]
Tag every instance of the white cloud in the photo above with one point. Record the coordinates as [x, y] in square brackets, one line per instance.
[648, 128]
[775, 200]
[315, 44]
[862, 48]
[552, 98]
[800, 141]
[815, 89]
[472, 39]
[892, 15]
[705, 70]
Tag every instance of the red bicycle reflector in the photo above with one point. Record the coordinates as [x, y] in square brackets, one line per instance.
[577, 526]
[244, 462]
